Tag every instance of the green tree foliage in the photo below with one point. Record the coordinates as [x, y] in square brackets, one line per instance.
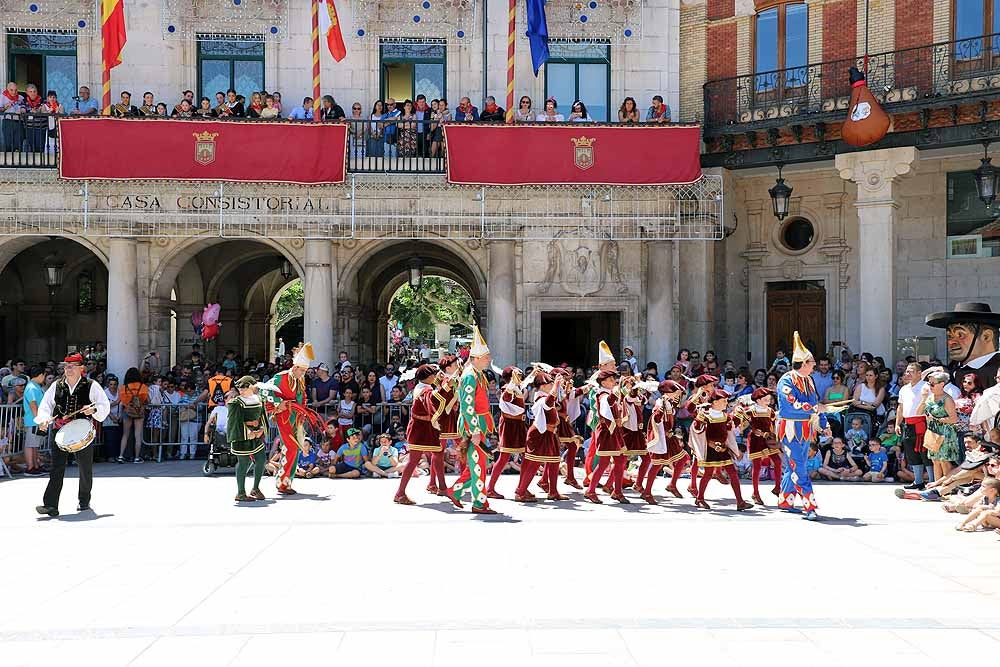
[291, 303]
[439, 301]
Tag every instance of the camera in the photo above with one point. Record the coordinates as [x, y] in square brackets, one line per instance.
[76, 98]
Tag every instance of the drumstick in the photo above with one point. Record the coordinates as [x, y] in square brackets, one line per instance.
[52, 419]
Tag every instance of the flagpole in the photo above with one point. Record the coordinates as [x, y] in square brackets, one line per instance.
[511, 6]
[315, 50]
[105, 87]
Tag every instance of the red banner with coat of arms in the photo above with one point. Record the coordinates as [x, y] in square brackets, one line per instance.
[573, 154]
[194, 150]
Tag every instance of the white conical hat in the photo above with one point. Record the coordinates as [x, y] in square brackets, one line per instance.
[604, 354]
[303, 356]
[800, 352]
[478, 348]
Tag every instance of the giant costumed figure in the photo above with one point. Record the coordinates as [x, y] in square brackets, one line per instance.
[971, 330]
[474, 422]
[800, 417]
[285, 402]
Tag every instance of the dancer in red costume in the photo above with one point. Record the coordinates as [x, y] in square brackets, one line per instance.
[445, 420]
[513, 428]
[663, 446]
[761, 441]
[607, 441]
[421, 436]
[633, 399]
[704, 385]
[713, 436]
[542, 444]
[605, 362]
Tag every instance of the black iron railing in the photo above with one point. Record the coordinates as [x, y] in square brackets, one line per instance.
[28, 140]
[398, 145]
[947, 70]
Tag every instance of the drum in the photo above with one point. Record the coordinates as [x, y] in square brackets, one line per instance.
[76, 435]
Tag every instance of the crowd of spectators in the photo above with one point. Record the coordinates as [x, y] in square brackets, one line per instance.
[367, 410]
[393, 128]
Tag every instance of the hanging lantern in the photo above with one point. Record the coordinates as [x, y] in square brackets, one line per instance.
[987, 178]
[415, 266]
[53, 265]
[781, 194]
[286, 269]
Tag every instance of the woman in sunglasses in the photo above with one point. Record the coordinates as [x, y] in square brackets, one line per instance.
[524, 114]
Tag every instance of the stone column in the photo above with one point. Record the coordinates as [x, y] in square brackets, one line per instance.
[697, 295]
[501, 306]
[319, 300]
[123, 306]
[660, 325]
[875, 173]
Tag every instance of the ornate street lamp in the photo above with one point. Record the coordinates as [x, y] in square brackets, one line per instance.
[415, 266]
[53, 265]
[987, 178]
[781, 194]
[286, 269]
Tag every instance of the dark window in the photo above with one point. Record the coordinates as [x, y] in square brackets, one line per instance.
[410, 69]
[224, 64]
[48, 61]
[797, 234]
[579, 71]
[971, 223]
[781, 42]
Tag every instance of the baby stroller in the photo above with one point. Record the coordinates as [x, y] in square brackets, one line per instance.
[219, 456]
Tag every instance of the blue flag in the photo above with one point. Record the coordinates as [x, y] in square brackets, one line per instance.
[538, 34]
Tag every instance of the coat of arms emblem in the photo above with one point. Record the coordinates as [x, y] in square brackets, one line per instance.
[204, 147]
[583, 152]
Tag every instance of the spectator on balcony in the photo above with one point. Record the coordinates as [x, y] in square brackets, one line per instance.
[205, 109]
[659, 112]
[148, 107]
[187, 95]
[256, 105]
[277, 100]
[439, 117]
[270, 111]
[235, 105]
[628, 113]
[52, 104]
[183, 110]
[390, 132]
[407, 144]
[491, 112]
[125, 108]
[304, 112]
[375, 133]
[524, 114]
[356, 132]
[161, 110]
[551, 113]
[578, 113]
[220, 104]
[422, 112]
[330, 110]
[85, 105]
[465, 111]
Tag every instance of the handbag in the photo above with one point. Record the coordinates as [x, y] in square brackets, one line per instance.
[187, 414]
[932, 440]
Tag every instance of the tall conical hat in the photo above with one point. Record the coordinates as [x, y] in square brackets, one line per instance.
[800, 352]
[304, 356]
[479, 348]
[604, 354]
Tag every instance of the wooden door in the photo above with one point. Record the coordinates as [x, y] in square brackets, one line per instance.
[789, 310]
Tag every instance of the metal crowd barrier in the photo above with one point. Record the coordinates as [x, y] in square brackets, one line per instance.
[12, 438]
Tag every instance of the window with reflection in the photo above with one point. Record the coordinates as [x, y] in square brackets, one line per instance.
[236, 63]
[975, 24]
[414, 68]
[781, 48]
[46, 60]
[579, 71]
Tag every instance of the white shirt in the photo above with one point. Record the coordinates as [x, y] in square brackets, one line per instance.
[387, 385]
[979, 362]
[221, 413]
[97, 398]
[115, 411]
[909, 398]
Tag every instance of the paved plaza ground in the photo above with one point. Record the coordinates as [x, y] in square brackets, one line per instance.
[167, 570]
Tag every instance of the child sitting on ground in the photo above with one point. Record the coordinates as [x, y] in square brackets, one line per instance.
[984, 514]
[877, 460]
[352, 458]
[307, 460]
[385, 457]
[838, 464]
[325, 458]
[814, 462]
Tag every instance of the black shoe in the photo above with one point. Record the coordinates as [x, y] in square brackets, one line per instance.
[914, 487]
[51, 511]
[82, 508]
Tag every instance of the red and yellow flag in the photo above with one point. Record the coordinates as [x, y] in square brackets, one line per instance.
[329, 24]
[112, 31]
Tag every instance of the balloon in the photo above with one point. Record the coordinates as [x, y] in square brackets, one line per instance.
[867, 122]
[210, 331]
[211, 314]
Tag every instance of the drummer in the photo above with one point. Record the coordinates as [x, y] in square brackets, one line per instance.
[72, 393]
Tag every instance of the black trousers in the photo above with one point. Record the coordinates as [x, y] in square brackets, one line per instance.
[913, 457]
[84, 463]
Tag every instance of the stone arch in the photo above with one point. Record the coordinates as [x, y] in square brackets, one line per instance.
[12, 246]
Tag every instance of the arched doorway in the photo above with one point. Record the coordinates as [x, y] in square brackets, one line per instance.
[287, 316]
[370, 280]
[437, 313]
[54, 297]
[242, 276]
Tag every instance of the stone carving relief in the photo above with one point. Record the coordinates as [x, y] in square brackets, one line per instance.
[583, 267]
[792, 269]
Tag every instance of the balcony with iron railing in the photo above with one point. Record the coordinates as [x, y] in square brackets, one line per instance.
[923, 77]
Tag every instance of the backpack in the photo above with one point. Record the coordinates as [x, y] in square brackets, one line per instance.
[133, 408]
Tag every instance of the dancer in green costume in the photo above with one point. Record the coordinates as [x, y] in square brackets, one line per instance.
[245, 430]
